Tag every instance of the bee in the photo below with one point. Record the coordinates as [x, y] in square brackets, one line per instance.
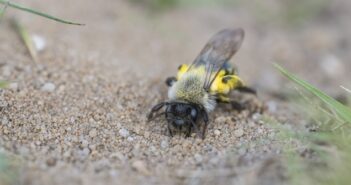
[196, 89]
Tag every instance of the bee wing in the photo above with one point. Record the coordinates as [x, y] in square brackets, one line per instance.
[218, 51]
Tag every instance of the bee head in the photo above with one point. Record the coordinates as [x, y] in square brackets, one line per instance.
[179, 113]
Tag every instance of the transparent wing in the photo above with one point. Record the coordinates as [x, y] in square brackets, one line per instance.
[218, 50]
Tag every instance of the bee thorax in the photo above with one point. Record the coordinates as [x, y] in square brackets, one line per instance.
[190, 89]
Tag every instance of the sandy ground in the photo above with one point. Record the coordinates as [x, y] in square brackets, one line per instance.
[78, 116]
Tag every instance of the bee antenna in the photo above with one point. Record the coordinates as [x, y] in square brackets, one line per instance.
[157, 115]
[155, 109]
[194, 125]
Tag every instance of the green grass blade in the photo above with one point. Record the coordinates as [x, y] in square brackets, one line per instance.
[17, 6]
[3, 84]
[27, 40]
[3, 9]
[343, 111]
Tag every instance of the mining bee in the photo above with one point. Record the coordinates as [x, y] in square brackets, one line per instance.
[197, 88]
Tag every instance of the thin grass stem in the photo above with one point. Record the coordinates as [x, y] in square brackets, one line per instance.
[2, 11]
[346, 89]
[27, 40]
[20, 7]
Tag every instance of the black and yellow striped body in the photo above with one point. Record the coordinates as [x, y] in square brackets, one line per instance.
[225, 81]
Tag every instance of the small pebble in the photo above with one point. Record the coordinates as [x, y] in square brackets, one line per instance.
[146, 134]
[92, 133]
[5, 120]
[48, 87]
[84, 143]
[256, 116]
[239, 132]
[220, 120]
[186, 145]
[51, 162]
[123, 132]
[68, 129]
[67, 154]
[164, 144]
[217, 132]
[119, 156]
[39, 42]
[140, 166]
[84, 153]
[152, 149]
[198, 158]
[3, 104]
[130, 139]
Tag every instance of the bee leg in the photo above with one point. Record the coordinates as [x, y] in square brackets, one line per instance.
[245, 89]
[237, 106]
[204, 132]
[205, 118]
[169, 126]
[195, 127]
[169, 129]
[223, 98]
[170, 81]
[155, 109]
[188, 133]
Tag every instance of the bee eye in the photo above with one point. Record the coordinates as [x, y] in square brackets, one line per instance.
[193, 113]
